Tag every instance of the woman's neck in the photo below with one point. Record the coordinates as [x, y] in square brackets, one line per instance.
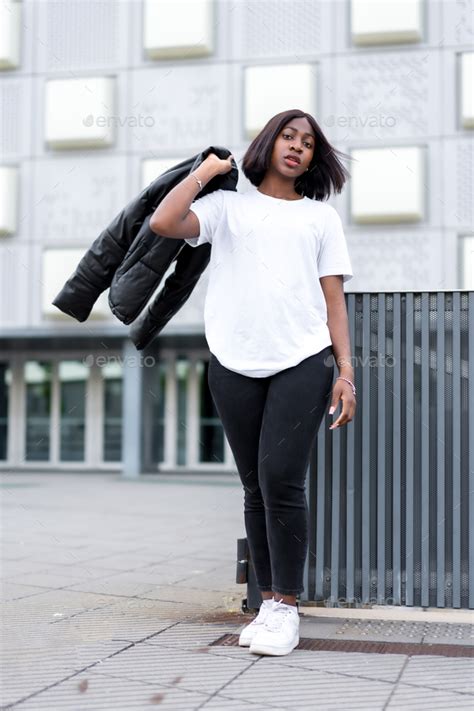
[283, 190]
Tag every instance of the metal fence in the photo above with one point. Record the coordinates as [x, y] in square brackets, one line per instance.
[391, 495]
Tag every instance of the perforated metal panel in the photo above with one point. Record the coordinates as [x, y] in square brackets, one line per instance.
[391, 494]
[279, 28]
[81, 33]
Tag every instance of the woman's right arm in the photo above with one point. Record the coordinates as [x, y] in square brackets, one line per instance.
[172, 217]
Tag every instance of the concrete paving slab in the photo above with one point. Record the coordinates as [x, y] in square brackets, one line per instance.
[128, 587]
[220, 577]
[13, 591]
[36, 666]
[188, 635]
[126, 561]
[236, 652]
[88, 691]
[225, 599]
[219, 701]
[197, 671]
[451, 674]
[12, 568]
[50, 606]
[382, 667]
[295, 687]
[412, 698]
[84, 570]
[319, 628]
[43, 579]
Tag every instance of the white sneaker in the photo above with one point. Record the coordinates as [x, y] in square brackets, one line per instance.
[250, 630]
[279, 634]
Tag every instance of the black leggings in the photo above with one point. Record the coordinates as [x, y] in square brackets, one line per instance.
[271, 424]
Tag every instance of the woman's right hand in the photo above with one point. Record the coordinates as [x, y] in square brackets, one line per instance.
[218, 166]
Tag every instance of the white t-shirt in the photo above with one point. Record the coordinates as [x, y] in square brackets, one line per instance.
[264, 309]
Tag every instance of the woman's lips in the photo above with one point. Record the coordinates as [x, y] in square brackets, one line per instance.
[291, 161]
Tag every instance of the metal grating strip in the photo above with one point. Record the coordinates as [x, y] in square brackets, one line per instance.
[368, 647]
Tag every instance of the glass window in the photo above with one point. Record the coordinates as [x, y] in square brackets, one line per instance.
[264, 96]
[182, 379]
[5, 384]
[73, 381]
[112, 377]
[10, 26]
[159, 416]
[385, 21]
[58, 265]
[467, 92]
[152, 168]
[211, 432]
[177, 28]
[38, 376]
[8, 199]
[396, 197]
[79, 113]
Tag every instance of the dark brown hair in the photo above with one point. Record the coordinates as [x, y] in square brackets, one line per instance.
[326, 173]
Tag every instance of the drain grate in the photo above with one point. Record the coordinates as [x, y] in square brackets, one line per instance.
[346, 645]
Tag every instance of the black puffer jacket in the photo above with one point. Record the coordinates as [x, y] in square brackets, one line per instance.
[131, 259]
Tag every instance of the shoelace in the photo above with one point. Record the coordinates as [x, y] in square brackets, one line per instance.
[274, 621]
[264, 611]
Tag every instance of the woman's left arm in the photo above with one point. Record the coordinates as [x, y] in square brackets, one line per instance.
[338, 325]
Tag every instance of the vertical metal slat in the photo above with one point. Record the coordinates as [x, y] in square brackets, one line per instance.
[410, 451]
[456, 454]
[350, 490]
[320, 513]
[366, 513]
[335, 513]
[397, 448]
[425, 450]
[440, 452]
[381, 451]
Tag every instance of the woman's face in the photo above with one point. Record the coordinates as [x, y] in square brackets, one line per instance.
[295, 139]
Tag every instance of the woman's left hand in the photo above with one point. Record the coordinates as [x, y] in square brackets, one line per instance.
[342, 391]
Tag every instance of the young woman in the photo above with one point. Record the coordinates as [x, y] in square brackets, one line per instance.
[275, 318]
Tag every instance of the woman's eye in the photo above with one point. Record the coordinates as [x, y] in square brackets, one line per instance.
[287, 135]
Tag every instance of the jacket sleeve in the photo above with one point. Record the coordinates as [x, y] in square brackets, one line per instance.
[189, 266]
[95, 271]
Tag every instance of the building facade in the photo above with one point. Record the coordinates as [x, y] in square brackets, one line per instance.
[99, 97]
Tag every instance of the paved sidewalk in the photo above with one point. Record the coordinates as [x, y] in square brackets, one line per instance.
[113, 593]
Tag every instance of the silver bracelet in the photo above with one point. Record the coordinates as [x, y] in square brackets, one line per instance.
[196, 178]
[340, 377]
